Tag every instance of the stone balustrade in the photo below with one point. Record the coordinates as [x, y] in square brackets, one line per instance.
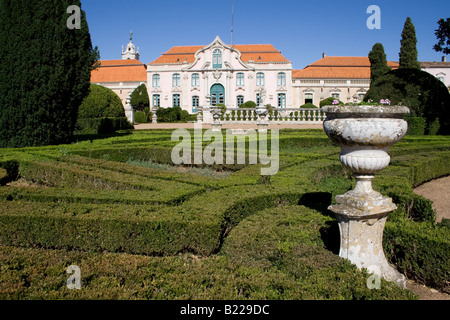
[274, 116]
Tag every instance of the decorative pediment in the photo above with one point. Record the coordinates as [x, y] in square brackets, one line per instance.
[218, 44]
[308, 90]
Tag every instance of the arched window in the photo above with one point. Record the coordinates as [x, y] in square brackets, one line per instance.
[217, 59]
[156, 80]
[195, 80]
[260, 79]
[240, 79]
[176, 80]
[282, 79]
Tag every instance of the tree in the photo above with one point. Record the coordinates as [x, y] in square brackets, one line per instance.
[139, 98]
[408, 49]
[425, 96]
[101, 103]
[443, 36]
[45, 71]
[378, 62]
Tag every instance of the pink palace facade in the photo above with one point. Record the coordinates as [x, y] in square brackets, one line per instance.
[195, 76]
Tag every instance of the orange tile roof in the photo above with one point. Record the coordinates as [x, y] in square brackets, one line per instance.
[120, 71]
[255, 52]
[339, 67]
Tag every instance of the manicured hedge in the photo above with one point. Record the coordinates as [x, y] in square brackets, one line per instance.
[421, 251]
[105, 195]
[101, 125]
[416, 126]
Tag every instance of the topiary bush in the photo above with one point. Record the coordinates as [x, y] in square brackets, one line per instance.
[101, 103]
[425, 95]
[175, 114]
[416, 125]
[309, 105]
[329, 102]
[248, 105]
[140, 117]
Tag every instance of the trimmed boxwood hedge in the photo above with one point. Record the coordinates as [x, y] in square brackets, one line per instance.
[90, 199]
[94, 126]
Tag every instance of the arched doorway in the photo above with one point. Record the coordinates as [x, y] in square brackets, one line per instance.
[217, 94]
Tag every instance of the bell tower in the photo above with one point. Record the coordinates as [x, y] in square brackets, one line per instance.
[130, 52]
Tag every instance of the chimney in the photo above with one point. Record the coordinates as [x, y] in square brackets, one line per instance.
[444, 59]
[324, 55]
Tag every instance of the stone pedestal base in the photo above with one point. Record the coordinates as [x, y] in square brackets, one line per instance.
[262, 126]
[362, 215]
[216, 127]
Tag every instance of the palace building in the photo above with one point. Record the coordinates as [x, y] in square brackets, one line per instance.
[198, 76]
[122, 76]
[194, 76]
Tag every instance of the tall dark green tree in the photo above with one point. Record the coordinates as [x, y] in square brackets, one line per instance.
[378, 62]
[139, 98]
[408, 49]
[45, 71]
[443, 36]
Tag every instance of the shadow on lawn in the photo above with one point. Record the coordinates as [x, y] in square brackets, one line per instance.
[320, 201]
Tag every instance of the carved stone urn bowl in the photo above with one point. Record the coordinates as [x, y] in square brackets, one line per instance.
[365, 134]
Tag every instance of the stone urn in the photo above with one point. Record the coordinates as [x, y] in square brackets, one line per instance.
[365, 134]
[216, 113]
[262, 112]
[155, 116]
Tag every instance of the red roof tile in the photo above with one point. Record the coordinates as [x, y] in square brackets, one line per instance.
[339, 68]
[119, 71]
[256, 53]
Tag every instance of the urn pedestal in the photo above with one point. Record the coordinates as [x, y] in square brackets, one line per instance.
[154, 116]
[216, 113]
[262, 113]
[364, 134]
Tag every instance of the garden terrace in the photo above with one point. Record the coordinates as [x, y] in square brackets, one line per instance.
[141, 228]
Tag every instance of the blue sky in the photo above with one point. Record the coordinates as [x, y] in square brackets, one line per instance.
[301, 30]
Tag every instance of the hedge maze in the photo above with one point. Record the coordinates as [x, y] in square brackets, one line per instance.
[140, 228]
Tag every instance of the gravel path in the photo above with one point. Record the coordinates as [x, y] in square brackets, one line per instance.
[437, 191]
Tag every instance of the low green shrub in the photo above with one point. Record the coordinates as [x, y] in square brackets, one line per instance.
[416, 126]
[433, 127]
[140, 117]
[309, 105]
[421, 251]
[9, 171]
[88, 126]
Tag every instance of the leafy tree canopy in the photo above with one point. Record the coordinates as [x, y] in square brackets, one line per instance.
[425, 95]
[443, 36]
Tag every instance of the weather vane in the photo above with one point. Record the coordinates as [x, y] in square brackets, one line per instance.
[131, 35]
